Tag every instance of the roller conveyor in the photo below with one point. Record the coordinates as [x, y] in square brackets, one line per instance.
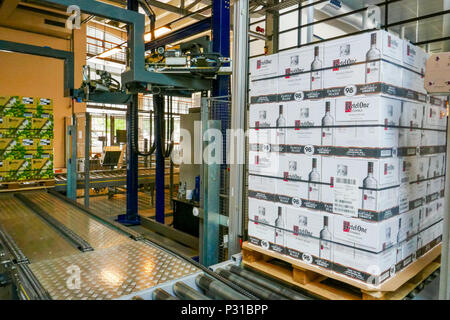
[119, 267]
[110, 178]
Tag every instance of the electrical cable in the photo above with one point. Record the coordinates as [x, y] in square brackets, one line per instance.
[134, 147]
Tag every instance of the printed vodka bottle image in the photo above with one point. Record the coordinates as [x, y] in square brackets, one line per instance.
[399, 238]
[369, 199]
[402, 132]
[429, 175]
[423, 140]
[373, 67]
[325, 241]
[279, 226]
[316, 72]
[262, 215]
[327, 120]
[387, 242]
[313, 186]
[419, 241]
[281, 124]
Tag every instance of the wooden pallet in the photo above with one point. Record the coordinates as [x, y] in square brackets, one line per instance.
[26, 185]
[327, 284]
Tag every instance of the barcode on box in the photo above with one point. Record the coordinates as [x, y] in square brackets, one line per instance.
[346, 180]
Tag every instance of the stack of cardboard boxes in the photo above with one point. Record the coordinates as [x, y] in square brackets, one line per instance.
[346, 155]
[26, 138]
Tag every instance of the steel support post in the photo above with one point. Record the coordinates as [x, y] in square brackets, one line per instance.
[87, 165]
[444, 287]
[309, 19]
[158, 105]
[272, 29]
[71, 156]
[238, 111]
[211, 188]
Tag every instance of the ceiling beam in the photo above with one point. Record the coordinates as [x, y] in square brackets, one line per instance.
[171, 8]
[7, 7]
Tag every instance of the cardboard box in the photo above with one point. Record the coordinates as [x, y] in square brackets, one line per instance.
[309, 237]
[263, 163]
[44, 108]
[19, 170]
[342, 54]
[405, 253]
[3, 170]
[18, 127]
[43, 128]
[269, 235]
[368, 115]
[42, 168]
[306, 61]
[302, 115]
[370, 236]
[411, 114]
[265, 115]
[366, 184]
[368, 267]
[15, 106]
[262, 185]
[261, 68]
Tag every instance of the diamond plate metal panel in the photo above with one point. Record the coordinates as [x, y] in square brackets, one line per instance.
[95, 233]
[110, 273]
[36, 239]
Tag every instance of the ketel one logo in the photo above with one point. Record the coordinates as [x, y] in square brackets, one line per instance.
[348, 106]
[287, 73]
[336, 65]
[260, 63]
[392, 43]
[346, 226]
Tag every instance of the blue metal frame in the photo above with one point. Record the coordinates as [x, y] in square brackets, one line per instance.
[158, 102]
[177, 35]
[131, 217]
[71, 156]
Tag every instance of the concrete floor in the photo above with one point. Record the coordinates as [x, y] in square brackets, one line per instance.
[116, 205]
[430, 291]
[111, 208]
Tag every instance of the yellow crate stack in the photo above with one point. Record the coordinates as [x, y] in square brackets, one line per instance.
[26, 138]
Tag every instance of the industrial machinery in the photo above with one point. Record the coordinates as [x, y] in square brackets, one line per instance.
[57, 257]
[95, 246]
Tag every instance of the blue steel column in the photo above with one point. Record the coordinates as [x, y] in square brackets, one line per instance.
[158, 105]
[221, 44]
[71, 156]
[132, 217]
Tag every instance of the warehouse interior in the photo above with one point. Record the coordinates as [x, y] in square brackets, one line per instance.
[162, 149]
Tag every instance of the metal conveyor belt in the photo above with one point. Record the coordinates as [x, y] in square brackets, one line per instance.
[36, 239]
[118, 266]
